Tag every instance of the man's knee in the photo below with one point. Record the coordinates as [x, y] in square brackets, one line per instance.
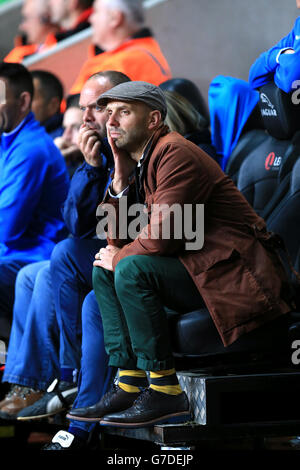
[62, 251]
[129, 270]
[43, 277]
[27, 275]
[100, 275]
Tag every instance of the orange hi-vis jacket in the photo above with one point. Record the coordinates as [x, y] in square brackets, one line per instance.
[19, 53]
[140, 59]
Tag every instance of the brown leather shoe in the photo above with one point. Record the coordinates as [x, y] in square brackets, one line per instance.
[9, 396]
[18, 398]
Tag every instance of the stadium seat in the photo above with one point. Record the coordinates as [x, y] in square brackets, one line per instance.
[270, 159]
[260, 155]
[282, 214]
[270, 173]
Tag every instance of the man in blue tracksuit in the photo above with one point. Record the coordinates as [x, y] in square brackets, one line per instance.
[33, 186]
[281, 63]
[64, 286]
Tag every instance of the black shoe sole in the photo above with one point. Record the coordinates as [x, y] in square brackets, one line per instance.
[173, 418]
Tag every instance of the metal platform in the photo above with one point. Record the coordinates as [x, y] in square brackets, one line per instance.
[230, 407]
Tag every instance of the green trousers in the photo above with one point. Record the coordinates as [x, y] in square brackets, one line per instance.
[132, 303]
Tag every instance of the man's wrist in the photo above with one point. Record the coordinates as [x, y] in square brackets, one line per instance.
[117, 186]
[285, 50]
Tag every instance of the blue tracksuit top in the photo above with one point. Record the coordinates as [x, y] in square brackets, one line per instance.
[284, 69]
[231, 101]
[33, 186]
[87, 188]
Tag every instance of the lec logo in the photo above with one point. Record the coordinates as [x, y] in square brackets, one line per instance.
[272, 161]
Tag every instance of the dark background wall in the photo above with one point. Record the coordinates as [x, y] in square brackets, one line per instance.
[10, 18]
[205, 38]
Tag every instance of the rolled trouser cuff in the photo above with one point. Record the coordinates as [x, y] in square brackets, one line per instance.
[155, 364]
[122, 362]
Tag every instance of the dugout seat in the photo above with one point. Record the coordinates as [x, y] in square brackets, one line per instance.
[269, 177]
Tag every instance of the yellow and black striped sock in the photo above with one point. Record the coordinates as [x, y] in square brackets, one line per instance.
[132, 381]
[165, 381]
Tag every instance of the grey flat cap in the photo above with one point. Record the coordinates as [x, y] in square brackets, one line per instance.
[149, 94]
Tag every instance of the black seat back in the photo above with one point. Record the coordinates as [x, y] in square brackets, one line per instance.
[285, 218]
[280, 112]
[270, 159]
[258, 175]
[245, 145]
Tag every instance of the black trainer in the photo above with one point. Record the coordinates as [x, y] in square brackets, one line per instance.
[59, 397]
[114, 400]
[151, 408]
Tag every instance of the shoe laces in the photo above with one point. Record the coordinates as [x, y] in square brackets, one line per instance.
[15, 389]
[25, 391]
[20, 391]
[144, 396]
[115, 388]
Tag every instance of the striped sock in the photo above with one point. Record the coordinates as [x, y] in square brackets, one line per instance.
[132, 381]
[165, 381]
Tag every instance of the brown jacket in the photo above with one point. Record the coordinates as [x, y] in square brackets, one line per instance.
[240, 280]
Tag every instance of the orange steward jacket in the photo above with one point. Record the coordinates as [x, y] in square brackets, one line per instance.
[18, 53]
[139, 58]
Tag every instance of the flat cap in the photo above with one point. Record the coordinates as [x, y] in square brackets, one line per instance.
[145, 92]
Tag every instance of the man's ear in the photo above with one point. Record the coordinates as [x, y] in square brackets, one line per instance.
[154, 119]
[73, 5]
[117, 18]
[54, 105]
[25, 101]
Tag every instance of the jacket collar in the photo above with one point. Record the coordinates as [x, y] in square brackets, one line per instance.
[140, 172]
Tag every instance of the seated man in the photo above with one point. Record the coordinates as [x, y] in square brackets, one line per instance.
[281, 63]
[236, 274]
[34, 184]
[46, 22]
[68, 142]
[38, 30]
[46, 103]
[118, 29]
[72, 16]
[45, 295]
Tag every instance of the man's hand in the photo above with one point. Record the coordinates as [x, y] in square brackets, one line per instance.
[105, 257]
[289, 51]
[90, 144]
[70, 152]
[124, 166]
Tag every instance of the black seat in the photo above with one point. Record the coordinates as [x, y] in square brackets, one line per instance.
[269, 173]
[194, 333]
[271, 158]
[196, 342]
[279, 119]
[282, 215]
